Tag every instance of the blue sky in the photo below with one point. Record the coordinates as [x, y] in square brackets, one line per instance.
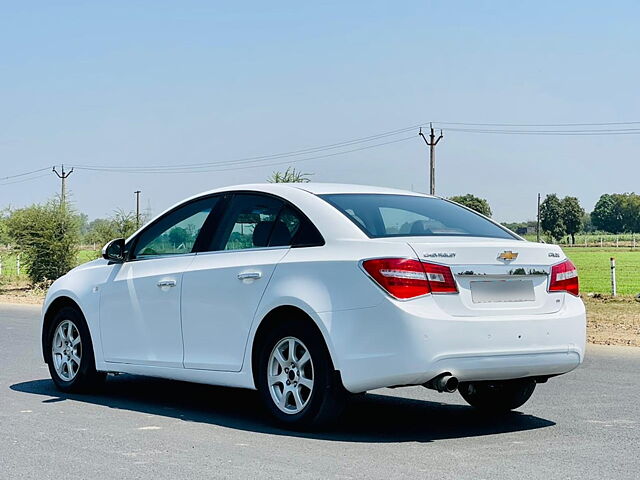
[171, 83]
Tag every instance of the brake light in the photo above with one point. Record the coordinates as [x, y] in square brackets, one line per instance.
[405, 278]
[564, 278]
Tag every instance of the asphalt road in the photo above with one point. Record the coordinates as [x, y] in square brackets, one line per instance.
[582, 425]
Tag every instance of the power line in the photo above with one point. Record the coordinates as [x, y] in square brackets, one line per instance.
[256, 159]
[25, 179]
[24, 174]
[560, 129]
[243, 167]
[629, 131]
[539, 124]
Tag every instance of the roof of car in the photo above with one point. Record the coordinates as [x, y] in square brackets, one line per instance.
[321, 188]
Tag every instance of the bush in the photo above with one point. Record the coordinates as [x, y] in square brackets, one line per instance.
[48, 236]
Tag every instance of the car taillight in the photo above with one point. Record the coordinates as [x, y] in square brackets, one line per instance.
[564, 278]
[406, 278]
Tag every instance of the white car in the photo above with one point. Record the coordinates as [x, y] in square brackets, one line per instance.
[309, 292]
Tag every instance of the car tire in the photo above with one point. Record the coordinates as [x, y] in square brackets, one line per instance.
[70, 353]
[497, 397]
[295, 377]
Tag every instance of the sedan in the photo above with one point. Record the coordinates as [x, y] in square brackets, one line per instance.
[310, 293]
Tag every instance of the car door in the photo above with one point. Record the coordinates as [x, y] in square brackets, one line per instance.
[224, 285]
[140, 302]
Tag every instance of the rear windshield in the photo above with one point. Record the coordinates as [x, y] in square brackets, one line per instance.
[380, 215]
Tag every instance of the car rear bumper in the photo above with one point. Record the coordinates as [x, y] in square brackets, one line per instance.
[399, 343]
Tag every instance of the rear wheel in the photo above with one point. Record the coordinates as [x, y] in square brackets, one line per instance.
[70, 356]
[295, 376]
[499, 396]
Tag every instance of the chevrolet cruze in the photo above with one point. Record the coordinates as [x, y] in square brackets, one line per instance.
[311, 292]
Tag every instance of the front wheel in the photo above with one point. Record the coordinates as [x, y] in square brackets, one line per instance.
[70, 357]
[295, 376]
[497, 396]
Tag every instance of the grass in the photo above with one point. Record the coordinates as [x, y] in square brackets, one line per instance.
[9, 264]
[595, 271]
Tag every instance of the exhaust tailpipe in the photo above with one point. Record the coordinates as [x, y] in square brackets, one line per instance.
[443, 383]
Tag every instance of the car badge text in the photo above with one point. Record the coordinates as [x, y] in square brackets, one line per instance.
[439, 255]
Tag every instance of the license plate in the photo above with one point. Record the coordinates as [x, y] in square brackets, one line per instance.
[502, 291]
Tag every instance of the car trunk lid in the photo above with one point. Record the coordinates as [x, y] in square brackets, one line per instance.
[494, 276]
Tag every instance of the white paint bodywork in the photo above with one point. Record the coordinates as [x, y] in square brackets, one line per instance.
[203, 329]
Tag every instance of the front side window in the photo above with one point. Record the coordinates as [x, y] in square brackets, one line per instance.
[383, 215]
[176, 232]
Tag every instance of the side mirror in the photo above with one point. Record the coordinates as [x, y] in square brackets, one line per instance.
[114, 250]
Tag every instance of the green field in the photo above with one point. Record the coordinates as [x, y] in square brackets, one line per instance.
[594, 269]
[592, 262]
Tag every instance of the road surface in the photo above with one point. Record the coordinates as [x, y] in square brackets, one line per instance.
[583, 425]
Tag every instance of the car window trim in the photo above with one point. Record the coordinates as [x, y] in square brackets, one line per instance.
[252, 249]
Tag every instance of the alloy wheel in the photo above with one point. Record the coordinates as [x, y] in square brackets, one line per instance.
[290, 375]
[66, 350]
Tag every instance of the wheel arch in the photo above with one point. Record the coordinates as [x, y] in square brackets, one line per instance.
[54, 307]
[282, 313]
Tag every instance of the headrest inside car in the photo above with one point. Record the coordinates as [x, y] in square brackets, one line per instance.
[279, 237]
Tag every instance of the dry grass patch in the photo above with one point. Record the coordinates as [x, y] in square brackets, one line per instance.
[20, 291]
[613, 321]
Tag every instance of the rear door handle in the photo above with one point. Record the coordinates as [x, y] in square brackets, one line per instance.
[166, 283]
[249, 275]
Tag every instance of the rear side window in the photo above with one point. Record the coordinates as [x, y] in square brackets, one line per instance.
[383, 215]
[257, 221]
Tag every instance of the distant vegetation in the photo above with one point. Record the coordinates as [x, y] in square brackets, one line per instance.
[478, 204]
[290, 175]
[48, 235]
[49, 239]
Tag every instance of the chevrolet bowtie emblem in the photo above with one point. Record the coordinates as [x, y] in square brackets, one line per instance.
[508, 255]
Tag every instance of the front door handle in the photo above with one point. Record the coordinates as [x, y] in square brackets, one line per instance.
[166, 283]
[249, 275]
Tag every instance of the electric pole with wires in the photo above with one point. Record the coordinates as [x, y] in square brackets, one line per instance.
[137, 192]
[63, 177]
[432, 142]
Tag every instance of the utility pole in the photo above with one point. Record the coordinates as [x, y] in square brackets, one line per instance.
[432, 142]
[538, 222]
[63, 177]
[137, 192]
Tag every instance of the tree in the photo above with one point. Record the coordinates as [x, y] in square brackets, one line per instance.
[551, 217]
[477, 204]
[178, 236]
[4, 232]
[629, 208]
[617, 213]
[290, 175]
[606, 215]
[48, 236]
[121, 224]
[124, 222]
[572, 214]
